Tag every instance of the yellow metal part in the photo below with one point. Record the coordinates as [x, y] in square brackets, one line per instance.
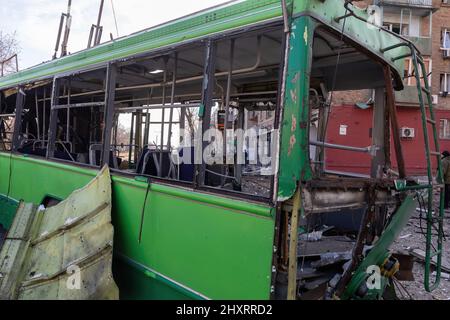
[390, 267]
[63, 252]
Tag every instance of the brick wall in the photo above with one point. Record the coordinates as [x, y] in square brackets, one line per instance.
[351, 97]
[358, 125]
[441, 20]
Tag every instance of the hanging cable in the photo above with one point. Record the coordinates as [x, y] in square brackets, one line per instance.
[115, 17]
[144, 207]
[338, 60]
[401, 287]
[10, 173]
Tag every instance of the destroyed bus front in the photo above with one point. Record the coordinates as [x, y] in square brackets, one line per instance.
[251, 85]
[349, 220]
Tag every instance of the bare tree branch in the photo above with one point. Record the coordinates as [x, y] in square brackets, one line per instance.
[9, 47]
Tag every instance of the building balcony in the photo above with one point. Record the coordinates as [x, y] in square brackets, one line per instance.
[426, 4]
[417, 7]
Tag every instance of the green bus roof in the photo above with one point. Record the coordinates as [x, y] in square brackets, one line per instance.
[216, 20]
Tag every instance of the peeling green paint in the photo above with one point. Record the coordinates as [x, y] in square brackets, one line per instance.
[294, 156]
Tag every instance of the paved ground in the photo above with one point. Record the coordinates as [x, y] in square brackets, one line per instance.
[412, 238]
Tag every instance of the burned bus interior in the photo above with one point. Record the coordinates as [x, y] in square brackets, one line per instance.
[161, 103]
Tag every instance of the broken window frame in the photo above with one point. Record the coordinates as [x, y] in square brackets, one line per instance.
[319, 161]
[144, 111]
[6, 132]
[198, 184]
[207, 102]
[20, 102]
[21, 136]
[42, 135]
[57, 78]
[109, 91]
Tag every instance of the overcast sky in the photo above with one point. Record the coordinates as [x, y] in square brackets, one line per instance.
[36, 21]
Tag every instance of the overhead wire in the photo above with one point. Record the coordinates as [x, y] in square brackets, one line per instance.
[115, 17]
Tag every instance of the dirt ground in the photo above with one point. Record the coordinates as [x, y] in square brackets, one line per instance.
[412, 238]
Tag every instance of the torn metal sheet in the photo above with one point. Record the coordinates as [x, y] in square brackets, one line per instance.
[63, 252]
[321, 200]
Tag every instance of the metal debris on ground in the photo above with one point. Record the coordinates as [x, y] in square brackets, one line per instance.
[416, 244]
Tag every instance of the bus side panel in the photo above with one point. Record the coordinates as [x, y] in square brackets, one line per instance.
[34, 180]
[189, 248]
[218, 252]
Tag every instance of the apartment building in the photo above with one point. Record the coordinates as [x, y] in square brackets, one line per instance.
[427, 24]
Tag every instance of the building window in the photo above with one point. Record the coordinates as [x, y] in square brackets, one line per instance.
[410, 79]
[445, 84]
[445, 43]
[402, 29]
[445, 129]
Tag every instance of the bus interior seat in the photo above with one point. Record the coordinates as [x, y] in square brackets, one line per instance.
[42, 152]
[187, 169]
[95, 152]
[148, 163]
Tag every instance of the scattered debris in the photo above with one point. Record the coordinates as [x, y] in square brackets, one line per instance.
[311, 237]
[331, 258]
[417, 241]
[321, 258]
[444, 275]
[418, 253]
[333, 244]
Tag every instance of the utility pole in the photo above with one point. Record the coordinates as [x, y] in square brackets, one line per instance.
[67, 18]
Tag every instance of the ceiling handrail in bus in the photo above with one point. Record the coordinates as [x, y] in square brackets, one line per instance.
[159, 106]
[79, 105]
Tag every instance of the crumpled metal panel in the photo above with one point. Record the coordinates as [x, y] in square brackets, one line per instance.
[63, 252]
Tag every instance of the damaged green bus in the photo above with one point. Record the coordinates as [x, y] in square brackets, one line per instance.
[198, 216]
